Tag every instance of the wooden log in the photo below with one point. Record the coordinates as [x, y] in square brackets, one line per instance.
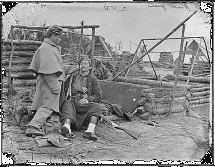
[17, 60]
[192, 79]
[24, 76]
[20, 48]
[149, 82]
[20, 68]
[18, 53]
[200, 97]
[21, 42]
[164, 109]
[200, 89]
[166, 92]
[181, 99]
[200, 101]
[20, 83]
[205, 93]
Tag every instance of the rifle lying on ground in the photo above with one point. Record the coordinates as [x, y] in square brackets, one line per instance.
[128, 131]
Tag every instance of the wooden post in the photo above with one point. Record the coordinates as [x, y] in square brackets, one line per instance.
[184, 52]
[10, 62]
[80, 46]
[92, 46]
[150, 61]
[191, 69]
[155, 45]
[207, 52]
[135, 54]
[179, 66]
[185, 48]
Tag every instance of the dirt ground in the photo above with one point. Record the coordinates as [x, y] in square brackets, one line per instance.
[179, 138]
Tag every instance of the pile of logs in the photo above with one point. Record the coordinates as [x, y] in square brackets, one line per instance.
[198, 96]
[166, 57]
[199, 69]
[22, 52]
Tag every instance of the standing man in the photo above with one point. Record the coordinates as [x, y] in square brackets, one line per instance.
[47, 64]
[82, 91]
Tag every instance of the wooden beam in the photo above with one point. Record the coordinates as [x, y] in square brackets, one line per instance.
[46, 27]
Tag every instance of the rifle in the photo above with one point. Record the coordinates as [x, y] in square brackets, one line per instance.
[128, 131]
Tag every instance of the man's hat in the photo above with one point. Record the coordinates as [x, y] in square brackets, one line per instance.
[55, 29]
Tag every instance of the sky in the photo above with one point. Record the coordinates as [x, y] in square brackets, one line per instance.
[125, 23]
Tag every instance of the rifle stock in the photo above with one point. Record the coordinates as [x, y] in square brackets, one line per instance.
[127, 131]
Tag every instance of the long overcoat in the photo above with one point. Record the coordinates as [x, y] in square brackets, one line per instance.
[47, 60]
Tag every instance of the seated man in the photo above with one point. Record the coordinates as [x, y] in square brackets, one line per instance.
[82, 90]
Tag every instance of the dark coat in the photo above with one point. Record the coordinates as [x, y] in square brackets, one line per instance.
[92, 84]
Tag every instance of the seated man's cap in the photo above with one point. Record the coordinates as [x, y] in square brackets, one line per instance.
[55, 29]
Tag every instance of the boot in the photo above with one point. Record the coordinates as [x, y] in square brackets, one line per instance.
[90, 135]
[66, 130]
[31, 113]
[19, 113]
[33, 132]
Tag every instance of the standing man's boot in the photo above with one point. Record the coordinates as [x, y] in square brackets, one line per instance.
[19, 113]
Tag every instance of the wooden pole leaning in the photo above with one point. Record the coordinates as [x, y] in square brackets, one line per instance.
[156, 44]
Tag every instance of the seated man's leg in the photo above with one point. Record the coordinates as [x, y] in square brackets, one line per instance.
[89, 133]
[38, 120]
[94, 113]
[68, 116]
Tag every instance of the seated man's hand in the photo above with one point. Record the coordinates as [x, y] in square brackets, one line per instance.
[83, 101]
